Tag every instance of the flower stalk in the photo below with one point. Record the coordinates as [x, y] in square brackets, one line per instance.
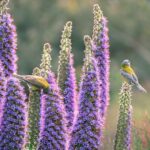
[87, 130]
[14, 119]
[100, 46]
[67, 77]
[123, 134]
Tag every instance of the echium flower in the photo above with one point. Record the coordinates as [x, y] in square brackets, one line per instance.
[64, 54]
[35, 98]
[100, 48]
[34, 114]
[53, 130]
[66, 75]
[86, 133]
[2, 89]
[14, 119]
[123, 135]
[8, 44]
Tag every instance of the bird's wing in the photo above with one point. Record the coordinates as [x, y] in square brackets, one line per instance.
[135, 78]
[37, 81]
[128, 77]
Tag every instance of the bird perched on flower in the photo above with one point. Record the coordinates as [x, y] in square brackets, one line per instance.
[33, 80]
[129, 75]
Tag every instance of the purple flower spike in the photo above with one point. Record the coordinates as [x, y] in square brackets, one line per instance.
[14, 119]
[8, 44]
[86, 133]
[69, 93]
[123, 134]
[53, 130]
[101, 52]
[2, 89]
[66, 75]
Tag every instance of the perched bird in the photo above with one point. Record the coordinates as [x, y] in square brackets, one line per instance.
[129, 75]
[33, 80]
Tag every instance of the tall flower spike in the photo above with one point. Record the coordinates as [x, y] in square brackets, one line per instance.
[100, 48]
[98, 14]
[45, 65]
[64, 54]
[87, 130]
[34, 115]
[66, 76]
[14, 120]
[123, 135]
[2, 90]
[53, 131]
[88, 52]
[8, 44]
[35, 98]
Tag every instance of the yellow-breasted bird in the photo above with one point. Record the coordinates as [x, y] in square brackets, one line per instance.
[33, 80]
[128, 73]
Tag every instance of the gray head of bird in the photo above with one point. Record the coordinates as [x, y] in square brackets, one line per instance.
[126, 62]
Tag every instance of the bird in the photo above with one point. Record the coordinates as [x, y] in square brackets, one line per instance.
[129, 75]
[33, 80]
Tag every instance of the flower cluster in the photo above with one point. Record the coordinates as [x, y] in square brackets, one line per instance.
[87, 130]
[66, 76]
[55, 117]
[53, 130]
[8, 44]
[101, 52]
[14, 119]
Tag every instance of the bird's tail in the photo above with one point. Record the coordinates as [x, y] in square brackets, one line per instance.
[141, 88]
[19, 77]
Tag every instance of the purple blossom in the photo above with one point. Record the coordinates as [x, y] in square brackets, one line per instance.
[66, 75]
[8, 44]
[69, 93]
[2, 90]
[53, 130]
[101, 52]
[86, 133]
[14, 119]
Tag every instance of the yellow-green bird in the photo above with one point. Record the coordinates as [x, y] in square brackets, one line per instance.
[129, 75]
[33, 80]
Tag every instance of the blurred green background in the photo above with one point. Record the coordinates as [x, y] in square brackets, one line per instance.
[40, 21]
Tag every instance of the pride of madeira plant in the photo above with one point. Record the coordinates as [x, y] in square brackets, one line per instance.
[53, 129]
[56, 117]
[87, 130]
[13, 126]
[66, 75]
[35, 99]
[123, 135]
[8, 41]
[13, 117]
[100, 47]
